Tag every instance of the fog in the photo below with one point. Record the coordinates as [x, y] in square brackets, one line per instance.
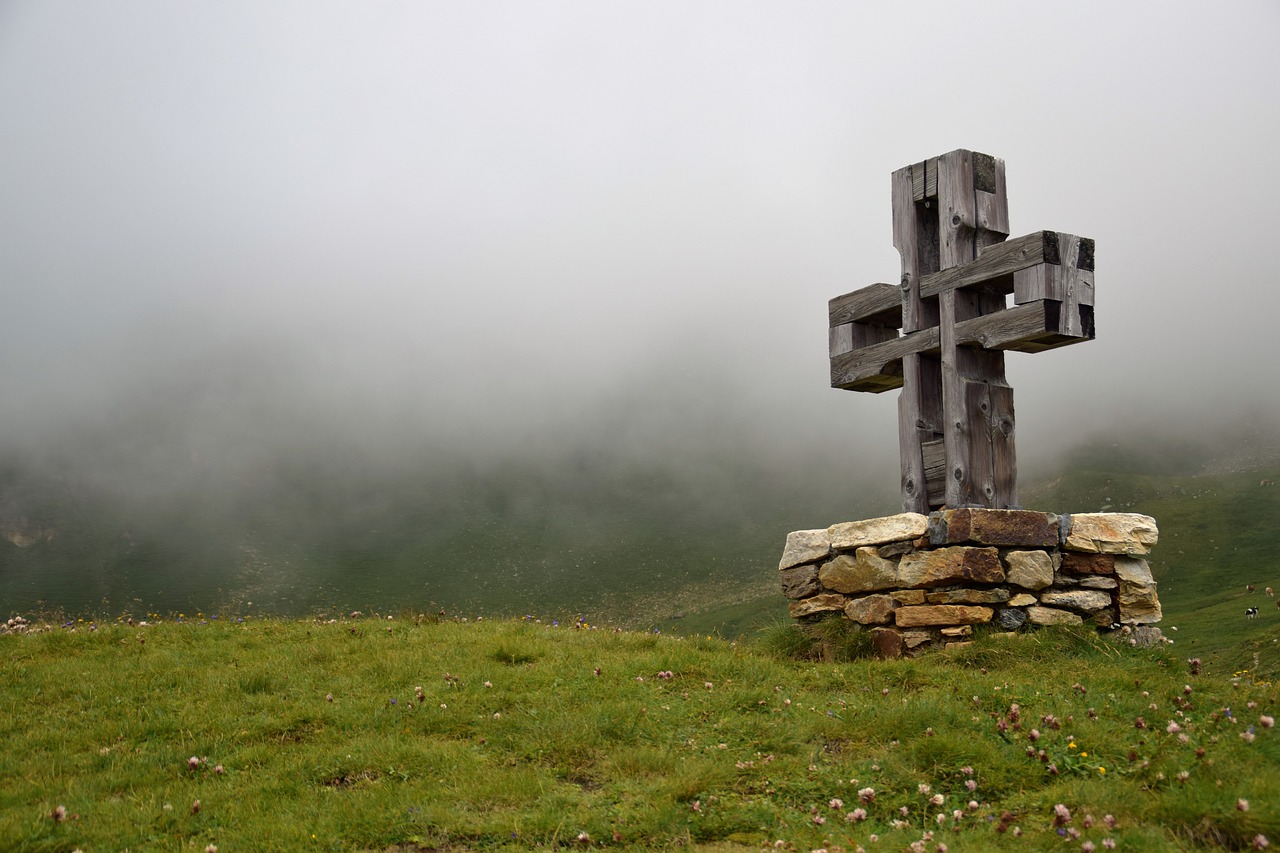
[499, 231]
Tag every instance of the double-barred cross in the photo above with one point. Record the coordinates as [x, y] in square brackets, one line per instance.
[955, 413]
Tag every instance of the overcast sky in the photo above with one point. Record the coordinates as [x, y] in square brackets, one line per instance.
[501, 215]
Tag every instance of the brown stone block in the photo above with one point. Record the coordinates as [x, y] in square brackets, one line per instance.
[957, 564]
[1088, 564]
[886, 643]
[908, 596]
[1005, 527]
[941, 614]
[871, 609]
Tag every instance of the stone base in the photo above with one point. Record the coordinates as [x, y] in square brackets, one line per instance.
[922, 582]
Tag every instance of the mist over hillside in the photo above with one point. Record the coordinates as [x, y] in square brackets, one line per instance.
[233, 487]
[239, 487]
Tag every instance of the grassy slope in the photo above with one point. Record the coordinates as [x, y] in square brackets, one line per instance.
[518, 743]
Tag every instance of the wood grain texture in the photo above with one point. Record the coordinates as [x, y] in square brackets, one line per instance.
[875, 303]
[1004, 472]
[993, 204]
[996, 264]
[840, 339]
[879, 367]
[935, 470]
[1025, 328]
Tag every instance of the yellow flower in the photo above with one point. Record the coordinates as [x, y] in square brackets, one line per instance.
[1102, 770]
[1071, 745]
[1084, 755]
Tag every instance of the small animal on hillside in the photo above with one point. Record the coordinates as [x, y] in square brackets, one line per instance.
[1271, 592]
[1251, 612]
[1249, 588]
[1267, 483]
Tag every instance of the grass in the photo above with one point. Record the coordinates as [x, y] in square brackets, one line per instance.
[314, 735]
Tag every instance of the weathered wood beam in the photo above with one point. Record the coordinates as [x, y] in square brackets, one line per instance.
[878, 367]
[1034, 327]
[876, 303]
[995, 263]
[924, 179]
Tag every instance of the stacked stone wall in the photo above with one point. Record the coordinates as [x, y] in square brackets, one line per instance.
[919, 582]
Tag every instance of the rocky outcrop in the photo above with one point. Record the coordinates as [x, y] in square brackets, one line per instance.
[920, 582]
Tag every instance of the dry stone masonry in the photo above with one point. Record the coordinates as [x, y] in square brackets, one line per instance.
[919, 582]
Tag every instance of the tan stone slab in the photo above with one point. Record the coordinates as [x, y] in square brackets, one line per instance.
[915, 639]
[805, 546]
[1006, 527]
[826, 602]
[1029, 569]
[1088, 600]
[1022, 599]
[1139, 604]
[1099, 582]
[866, 571]
[878, 531]
[1052, 616]
[1133, 570]
[968, 596]
[871, 609]
[959, 644]
[957, 564]
[1112, 533]
[958, 631]
[941, 614]
[908, 596]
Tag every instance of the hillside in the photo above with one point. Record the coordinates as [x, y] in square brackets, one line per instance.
[685, 540]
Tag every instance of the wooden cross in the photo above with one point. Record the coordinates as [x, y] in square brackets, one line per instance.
[955, 413]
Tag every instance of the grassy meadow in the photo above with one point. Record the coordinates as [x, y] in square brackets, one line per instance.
[412, 733]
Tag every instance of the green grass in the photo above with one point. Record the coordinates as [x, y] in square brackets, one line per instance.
[527, 735]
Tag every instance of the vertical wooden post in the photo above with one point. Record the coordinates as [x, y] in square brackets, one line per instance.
[955, 414]
[919, 404]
